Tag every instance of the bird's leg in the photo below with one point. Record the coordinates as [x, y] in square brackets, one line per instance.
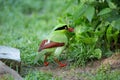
[45, 60]
[60, 64]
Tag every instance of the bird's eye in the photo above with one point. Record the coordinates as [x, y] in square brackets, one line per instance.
[66, 28]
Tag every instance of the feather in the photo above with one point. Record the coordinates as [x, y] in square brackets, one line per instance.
[49, 44]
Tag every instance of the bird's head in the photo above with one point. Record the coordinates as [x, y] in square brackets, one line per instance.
[64, 28]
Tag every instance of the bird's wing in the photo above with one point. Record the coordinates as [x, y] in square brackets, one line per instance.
[43, 43]
[49, 44]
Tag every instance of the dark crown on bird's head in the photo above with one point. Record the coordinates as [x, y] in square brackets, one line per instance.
[65, 27]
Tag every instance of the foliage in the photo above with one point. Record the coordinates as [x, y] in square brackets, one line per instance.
[104, 72]
[23, 24]
[105, 75]
[35, 75]
[97, 28]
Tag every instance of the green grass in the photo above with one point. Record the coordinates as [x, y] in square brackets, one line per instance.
[37, 75]
[24, 23]
[109, 75]
[24, 38]
[7, 77]
[24, 31]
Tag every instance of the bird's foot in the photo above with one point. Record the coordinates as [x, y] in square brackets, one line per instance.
[46, 63]
[62, 65]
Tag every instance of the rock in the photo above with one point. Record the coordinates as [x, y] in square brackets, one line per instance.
[6, 73]
[11, 57]
[9, 53]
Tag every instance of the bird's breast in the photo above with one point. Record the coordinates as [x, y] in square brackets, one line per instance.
[62, 38]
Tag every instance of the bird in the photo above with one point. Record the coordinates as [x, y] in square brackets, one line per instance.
[55, 43]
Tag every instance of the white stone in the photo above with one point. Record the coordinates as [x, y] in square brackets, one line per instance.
[9, 53]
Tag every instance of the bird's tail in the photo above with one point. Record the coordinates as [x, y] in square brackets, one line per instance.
[39, 56]
[39, 50]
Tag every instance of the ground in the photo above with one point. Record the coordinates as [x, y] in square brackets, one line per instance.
[68, 73]
[71, 73]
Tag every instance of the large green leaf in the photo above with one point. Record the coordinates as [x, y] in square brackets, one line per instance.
[79, 11]
[111, 4]
[104, 11]
[117, 24]
[89, 13]
[109, 33]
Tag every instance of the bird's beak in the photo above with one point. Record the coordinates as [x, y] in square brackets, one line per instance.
[70, 29]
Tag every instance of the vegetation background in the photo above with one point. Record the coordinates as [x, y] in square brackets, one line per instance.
[24, 23]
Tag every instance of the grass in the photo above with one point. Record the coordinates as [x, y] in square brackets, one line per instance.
[36, 75]
[108, 75]
[7, 77]
[24, 31]
[112, 75]
[25, 23]
[23, 26]
[24, 38]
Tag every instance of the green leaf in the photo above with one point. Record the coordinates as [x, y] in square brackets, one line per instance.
[89, 40]
[97, 53]
[111, 4]
[117, 24]
[115, 36]
[104, 11]
[109, 33]
[79, 12]
[89, 13]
